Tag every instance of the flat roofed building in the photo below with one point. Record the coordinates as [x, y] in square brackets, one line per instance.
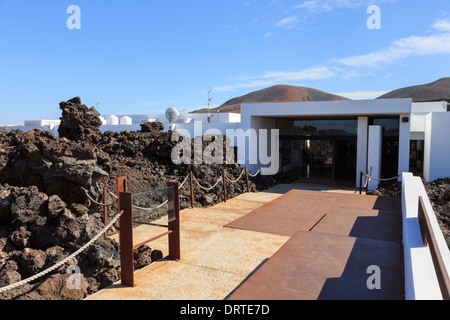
[340, 139]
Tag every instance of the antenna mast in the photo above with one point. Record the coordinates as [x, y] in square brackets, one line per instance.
[209, 111]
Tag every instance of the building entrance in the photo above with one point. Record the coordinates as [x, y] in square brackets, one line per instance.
[321, 149]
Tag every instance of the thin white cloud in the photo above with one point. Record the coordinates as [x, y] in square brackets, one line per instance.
[288, 22]
[362, 95]
[278, 77]
[315, 7]
[403, 48]
[354, 66]
[442, 25]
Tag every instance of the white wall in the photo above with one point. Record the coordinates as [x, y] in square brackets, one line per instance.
[404, 145]
[183, 118]
[437, 146]
[374, 155]
[420, 277]
[267, 112]
[320, 108]
[361, 157]
[53, 129]
[419, 116]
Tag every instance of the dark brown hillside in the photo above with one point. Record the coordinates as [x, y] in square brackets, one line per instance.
[435, 91]
[279, 93]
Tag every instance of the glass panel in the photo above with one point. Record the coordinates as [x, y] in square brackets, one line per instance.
[317, 159]
[321, 149]
[326, 127]
[416, 157]
[390, 147]
[151, 206]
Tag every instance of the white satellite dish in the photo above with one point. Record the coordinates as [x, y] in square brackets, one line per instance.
[172, 115]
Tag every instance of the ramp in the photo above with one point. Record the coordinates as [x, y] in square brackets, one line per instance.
[336, 241]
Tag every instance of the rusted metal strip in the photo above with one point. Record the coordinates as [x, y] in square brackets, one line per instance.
[246, 180]
[429, 240]
[224, 185]
[192, 189]
[126, 239]
[174, 226]
[105, 209]
[152, 239]
[151, 224]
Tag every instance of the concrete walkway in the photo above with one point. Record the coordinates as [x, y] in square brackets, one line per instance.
[215, 260]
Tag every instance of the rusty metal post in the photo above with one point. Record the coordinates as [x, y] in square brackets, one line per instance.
[122, 184]
[126, 239]
[246, 180]
[192, 189]
[360, 182]
[174, 226]
[121, 187]
[105, 209]
[224, 185]
[367, 184]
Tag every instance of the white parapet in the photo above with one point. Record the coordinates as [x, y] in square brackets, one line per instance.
[420, 275]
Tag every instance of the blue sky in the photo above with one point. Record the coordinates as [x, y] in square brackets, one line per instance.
[140, 56]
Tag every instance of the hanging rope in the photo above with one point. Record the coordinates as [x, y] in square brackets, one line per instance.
[205, 188]
[98, 203]
[62, 262]
[254, 175]
[377, 179]
[234, 181]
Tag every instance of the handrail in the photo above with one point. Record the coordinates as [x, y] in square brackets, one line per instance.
[429, 240]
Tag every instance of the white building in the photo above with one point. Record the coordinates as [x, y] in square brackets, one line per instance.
[328, 139]
[340, 139]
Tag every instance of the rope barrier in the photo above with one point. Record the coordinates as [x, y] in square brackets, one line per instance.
[254, 175]
[366, 183]
[62, 262]
[205, 188]
[372, 178]
[98, 203]
[185, 179]
[151, 209]
[114, 220]
[154, 208]
[234, 181]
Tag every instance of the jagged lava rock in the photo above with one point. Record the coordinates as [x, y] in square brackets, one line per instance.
[78, 122]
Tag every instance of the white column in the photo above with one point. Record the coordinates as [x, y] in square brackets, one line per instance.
[404, 144]
[374, 155]
[437, 146]
[361, 153]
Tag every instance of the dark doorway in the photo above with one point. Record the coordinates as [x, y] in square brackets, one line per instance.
[321, 149]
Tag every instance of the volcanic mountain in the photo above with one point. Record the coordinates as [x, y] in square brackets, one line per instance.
[435, 91]
[278, 93]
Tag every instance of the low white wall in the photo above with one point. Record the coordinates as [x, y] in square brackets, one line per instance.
[53, 129]
[420, 277]
[437, 146]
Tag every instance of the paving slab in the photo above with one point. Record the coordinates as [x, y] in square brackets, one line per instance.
[214, 259]
[319, 266]
[296, 210]
[224, 258]
[365, 223]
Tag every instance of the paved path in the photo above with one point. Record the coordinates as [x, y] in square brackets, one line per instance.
[338, 242]
[219, 262]
[214, 259]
